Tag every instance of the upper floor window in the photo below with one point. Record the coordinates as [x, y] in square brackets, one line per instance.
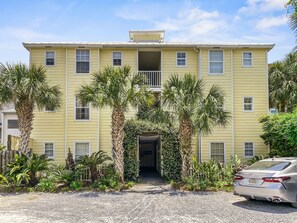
[12, 123]
[248, 104]
[217, 151]
[117, 58]
[49, 150]
[216, 62]
[50, 58]
[49, 109]
[82, 61]
[247, 59]
[248, 149]
[82, 111]
[181, 59]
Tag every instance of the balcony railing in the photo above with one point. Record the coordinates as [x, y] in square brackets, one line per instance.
[153, 78]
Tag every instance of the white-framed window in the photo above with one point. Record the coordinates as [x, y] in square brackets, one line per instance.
[49, 109]
[248, 149]
[50, 57]
[217, 151]
[81, 149]
[117, 58]
[82, 61]
[248, 104]
[49, 150]
[247, 59]
[216, 62]
[82, 111]
[12, 123]
[181, 59]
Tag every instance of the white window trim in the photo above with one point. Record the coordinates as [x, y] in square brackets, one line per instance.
[122, 58]
[55, 61]
[244, 150]
[251, 59]
[209, 147]
[90, 59]
[186, 59]
[74, 152]
[215, 74]
[47, 111]
[81, 120]
[253, 104]
[49, 157]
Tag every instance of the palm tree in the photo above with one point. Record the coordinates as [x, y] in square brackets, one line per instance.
[194, 110]
[27, 88]
[93, 163]
[291, 6]
[118, 89]
[283, 83]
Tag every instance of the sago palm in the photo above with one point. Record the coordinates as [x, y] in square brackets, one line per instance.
[27, 89]
[118, 89]
[194, 110]
[93, 162]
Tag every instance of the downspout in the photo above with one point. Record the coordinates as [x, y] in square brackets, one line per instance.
[66, 106]
[200, 77]
[98, 108]
[267, 89]
[232, 104]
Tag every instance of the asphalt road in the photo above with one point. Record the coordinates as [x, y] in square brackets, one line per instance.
[140, 205]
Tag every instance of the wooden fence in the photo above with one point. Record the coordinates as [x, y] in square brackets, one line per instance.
[6, 156]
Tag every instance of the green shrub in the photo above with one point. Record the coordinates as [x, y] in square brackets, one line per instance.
[46, 185]
[76, 185]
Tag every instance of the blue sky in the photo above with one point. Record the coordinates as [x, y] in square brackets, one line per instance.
[259, 21]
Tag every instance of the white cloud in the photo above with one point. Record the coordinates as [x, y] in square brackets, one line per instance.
[193, 24]
[262, 6]
[23, 34]
[268, 22]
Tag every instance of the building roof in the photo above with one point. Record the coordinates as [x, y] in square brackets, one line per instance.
[196, 45]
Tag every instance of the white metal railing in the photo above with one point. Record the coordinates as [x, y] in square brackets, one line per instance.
[153, 78]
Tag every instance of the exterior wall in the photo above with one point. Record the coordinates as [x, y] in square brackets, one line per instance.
[63, 130]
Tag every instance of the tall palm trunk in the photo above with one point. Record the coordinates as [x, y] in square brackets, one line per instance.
[117, 123]
[185, 137]
[24, 111]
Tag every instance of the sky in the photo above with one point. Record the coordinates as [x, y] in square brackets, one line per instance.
[245, 21]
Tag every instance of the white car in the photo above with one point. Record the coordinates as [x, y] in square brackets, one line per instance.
[273, 179]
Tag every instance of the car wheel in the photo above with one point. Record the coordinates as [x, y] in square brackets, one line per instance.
[294, 205]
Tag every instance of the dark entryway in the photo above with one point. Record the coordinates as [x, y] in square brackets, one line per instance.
[149, 155]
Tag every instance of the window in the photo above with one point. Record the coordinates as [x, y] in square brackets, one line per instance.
[50, 58]
[216, 62]
[248, 104]
[49, 150]
[217, 152]
[82, 112]
[248, 149]
[81, 149]
[49, 109]
[247, 59]
[181, 59]
[13, 124]
[117, 58]
[82, 61]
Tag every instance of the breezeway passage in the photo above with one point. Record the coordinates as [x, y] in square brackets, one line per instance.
[154, 205]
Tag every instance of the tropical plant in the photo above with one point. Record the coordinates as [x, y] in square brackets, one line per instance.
[283, 83]
[92, 162]
[70, 165]
[236, 164]
[27, 88]
[292, 12]
[194, 110]
[118, 89]
[280, 133]
[26, 169]
[256, 159]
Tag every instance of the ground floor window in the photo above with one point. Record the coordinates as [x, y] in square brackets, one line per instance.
[81, 149]
[217, 151]
[49, 150]
[248, 149]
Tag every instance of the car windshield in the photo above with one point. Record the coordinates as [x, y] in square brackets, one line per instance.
[269, 165]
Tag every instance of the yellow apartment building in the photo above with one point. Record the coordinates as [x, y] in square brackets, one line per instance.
[240, 68]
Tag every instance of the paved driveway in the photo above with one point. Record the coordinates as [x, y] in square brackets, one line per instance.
[140, 206]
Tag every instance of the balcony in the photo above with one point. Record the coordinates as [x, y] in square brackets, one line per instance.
[152, 79]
